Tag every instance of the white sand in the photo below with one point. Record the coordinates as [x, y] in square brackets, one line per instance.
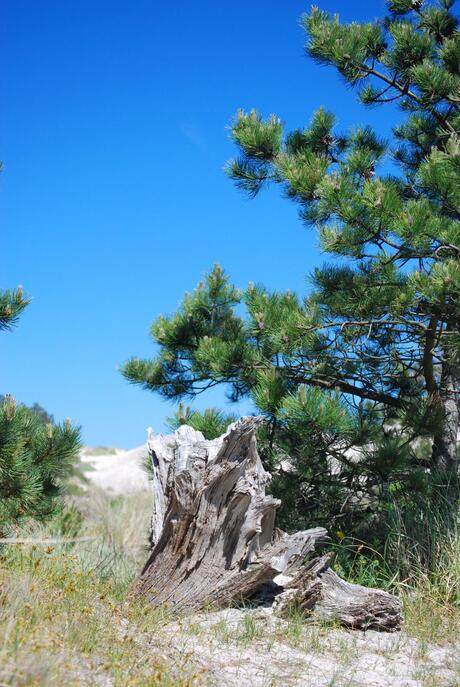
[120, 472]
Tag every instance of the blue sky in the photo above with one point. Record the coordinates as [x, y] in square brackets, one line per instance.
[114, 134]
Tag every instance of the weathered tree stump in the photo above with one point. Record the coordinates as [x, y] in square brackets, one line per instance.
[318, 589]
[214, 538]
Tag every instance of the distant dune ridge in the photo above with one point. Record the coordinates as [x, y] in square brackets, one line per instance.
[117, 470]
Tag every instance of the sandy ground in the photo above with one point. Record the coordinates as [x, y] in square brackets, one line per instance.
[243, 648]
[120, 472]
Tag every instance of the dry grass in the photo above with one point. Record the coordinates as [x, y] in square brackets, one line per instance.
[62, 615]
[432, 600]
[65, 619]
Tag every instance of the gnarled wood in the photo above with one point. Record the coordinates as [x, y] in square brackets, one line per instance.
[316, 588]
[213, 527]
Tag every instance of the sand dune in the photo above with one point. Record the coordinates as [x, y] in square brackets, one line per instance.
[121, 471]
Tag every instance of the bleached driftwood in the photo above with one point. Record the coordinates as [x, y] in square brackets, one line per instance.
[214, 537]
[318, 589]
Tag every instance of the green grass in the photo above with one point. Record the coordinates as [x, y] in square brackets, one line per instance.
[430, 597]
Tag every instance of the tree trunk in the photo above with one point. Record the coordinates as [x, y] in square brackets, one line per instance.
[445, 459]
[213, 533]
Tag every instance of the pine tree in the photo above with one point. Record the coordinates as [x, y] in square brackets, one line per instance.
[371, 357]
[35, 457]
[44, 416]
[393, 304]
[35, 453]
[12, 303]
[206, 343]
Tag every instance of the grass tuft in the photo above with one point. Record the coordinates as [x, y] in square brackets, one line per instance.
[63, 619]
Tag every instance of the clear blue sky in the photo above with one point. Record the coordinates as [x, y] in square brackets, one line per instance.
[113, 133]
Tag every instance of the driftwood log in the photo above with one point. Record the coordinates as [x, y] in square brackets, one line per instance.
[214, 540]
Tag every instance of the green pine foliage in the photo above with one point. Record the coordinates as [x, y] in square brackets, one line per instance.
[35, 458]
[212, 422]
[390, 300]
[38, 410]
[360, 380]
[12, 303]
